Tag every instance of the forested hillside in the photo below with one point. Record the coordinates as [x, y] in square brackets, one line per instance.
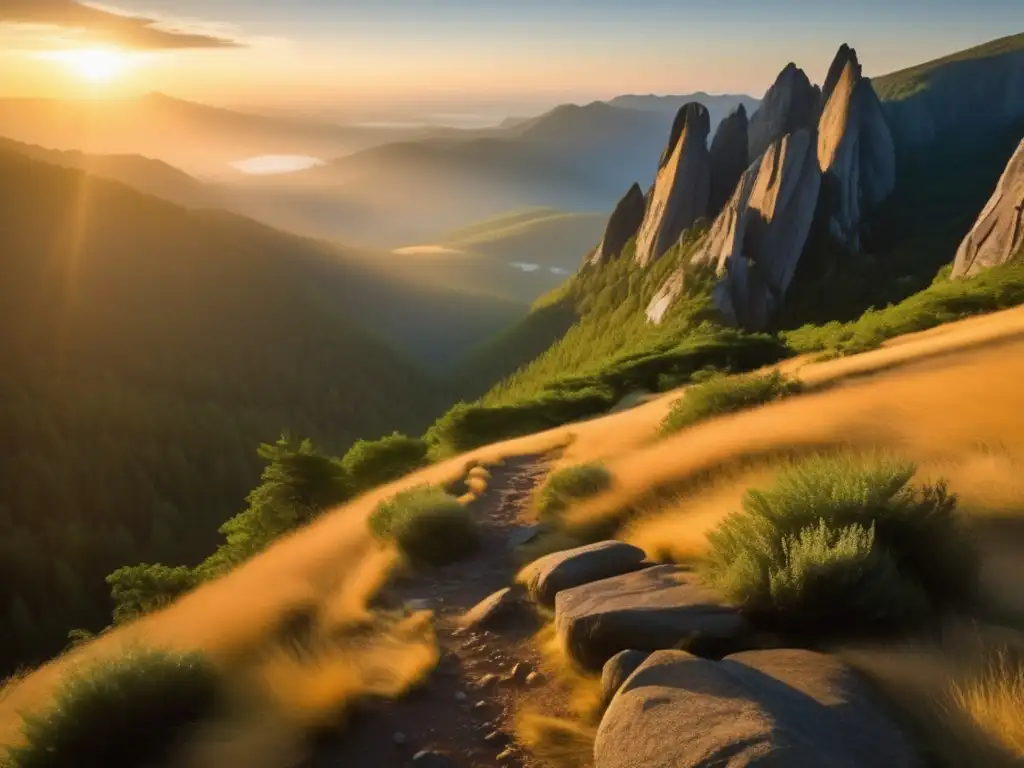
[147, 352]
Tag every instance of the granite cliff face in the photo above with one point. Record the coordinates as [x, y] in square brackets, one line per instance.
[622, 225]
[855, 148]
[682, 187]
[729, 158]
[755, 244]
[997, 237]
[790, 104]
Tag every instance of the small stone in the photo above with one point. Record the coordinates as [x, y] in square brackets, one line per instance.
[400, 738]
[487, 681]
[534, 678]
[497, 738]
[430, 759]
[460, 696]
[521, 671]
[418, 604]
[506, 756]
[480, 706]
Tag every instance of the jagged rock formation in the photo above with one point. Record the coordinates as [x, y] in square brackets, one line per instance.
[855, 148]
[998, 235]
[729, 158]
[682, 187]
[790, 104]
[755, 244]
[622, 225]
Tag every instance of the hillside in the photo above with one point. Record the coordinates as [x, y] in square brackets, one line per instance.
[960, 97]
[199, 138]
[719, 105]
[154, 348]
[893, 401]
[907, 241]
[151, 177]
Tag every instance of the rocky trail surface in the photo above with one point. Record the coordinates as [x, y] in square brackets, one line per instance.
[463, 716]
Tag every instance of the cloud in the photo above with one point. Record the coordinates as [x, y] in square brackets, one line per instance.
[100, 25]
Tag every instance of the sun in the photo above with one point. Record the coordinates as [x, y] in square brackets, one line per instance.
[94, 65]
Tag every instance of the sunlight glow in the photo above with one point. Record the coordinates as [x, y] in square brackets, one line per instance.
[94, 65]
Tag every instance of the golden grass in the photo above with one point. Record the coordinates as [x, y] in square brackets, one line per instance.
[961, 698]
[949, 399]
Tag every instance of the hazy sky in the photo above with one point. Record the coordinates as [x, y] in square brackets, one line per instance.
[462, 54]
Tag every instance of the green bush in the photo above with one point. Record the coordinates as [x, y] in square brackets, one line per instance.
[942, 302]
[140, 589]
[845, 544]
[467, 426]
[569, 484]
[370, 463]
[125, 712]
[429, 526]
[720, 395]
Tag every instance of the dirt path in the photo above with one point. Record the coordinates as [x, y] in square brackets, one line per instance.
[452, 714]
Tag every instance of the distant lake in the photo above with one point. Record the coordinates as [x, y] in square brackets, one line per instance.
[271, 164]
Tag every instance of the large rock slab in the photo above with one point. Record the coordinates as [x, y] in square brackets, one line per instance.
[771, 709]
[998, 235]
[546, 577]
[652, 609]
[855, 148]
[682, 187]
[790, 104]
[755, 244]
[729, 159]
[622, 226]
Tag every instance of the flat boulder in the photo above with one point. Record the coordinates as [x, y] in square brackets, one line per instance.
[494, 609]
[648, 610]
[997, 237]
[546, 577]
[771, 709]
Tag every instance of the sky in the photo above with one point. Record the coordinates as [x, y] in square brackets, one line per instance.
[390, 57]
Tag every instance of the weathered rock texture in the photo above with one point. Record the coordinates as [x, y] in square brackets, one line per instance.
[998, 235]
[617, 669]
[682, 187]
[729, 159]
[622, 225]
[789, 105]
[546, 577]
[648, 610]
[774, 709]
[855, 148]
[755, 244]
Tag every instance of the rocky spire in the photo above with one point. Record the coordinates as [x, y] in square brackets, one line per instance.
[790, 104]
[728, 158]
[844, 56]
[756, 242]
[681, 189]
[622, 225]
[855, 148]
[998, 235]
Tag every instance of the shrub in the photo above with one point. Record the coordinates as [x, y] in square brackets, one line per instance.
[130, 711]
[428, 525]
[942, 302]
[718, 396]
[140, 589]
[569, 484]
[370, 463]
[845, 544]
